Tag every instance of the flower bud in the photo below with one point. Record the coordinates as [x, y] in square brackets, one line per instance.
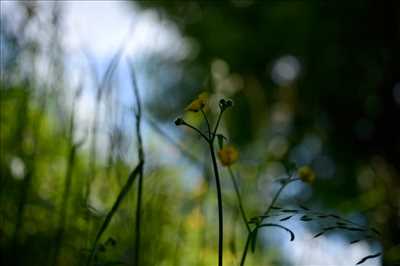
[224, 104]
[306, 174]
[228, 155]
[179, 121]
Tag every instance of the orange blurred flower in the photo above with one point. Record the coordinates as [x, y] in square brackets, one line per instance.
[228, 155]
[306, 174]
[198, 103]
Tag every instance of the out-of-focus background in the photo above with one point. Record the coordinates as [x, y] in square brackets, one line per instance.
[314, 83]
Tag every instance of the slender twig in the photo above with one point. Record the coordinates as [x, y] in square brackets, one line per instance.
[276, 197]
[216, 125]
[246, 248]
[141, 159]
[219, 192]
[124, 191]
[198, 131]
[239, 198]
[137, 172]
[196, 161]
[100, 86]
[220, 210]
[210, 142]
[253, 234]
[207, 122]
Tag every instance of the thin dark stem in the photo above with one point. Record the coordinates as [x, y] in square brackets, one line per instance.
[254, 232]
[246, 248]
[137, 172]
[207, 122]
[216, 126]
[124, 191]
[210, 140]
[198, 131]
[239, 198]
[138, 218]
[195, 161]
[141, 160]
[220, 210]
[275, 198]
[101, 87]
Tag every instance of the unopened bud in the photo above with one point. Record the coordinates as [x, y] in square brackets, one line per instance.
[179, 121]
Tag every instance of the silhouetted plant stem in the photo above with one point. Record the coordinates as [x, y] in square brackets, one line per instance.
[183, 150]
[216, 126]
[220, 210]
[219, 192]
[100, 87]
[252, 235]
[246, 248]
[141, 159]
[101, 84]
[137, 172]
[208, 123]
[210, 141]
[198, 131]
[239, 198]
[124, 191]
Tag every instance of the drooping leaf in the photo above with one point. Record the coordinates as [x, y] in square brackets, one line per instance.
[368, 257]
[319, 234]
[355, 229]
[291, 211]
[292, 236]
[286, 218]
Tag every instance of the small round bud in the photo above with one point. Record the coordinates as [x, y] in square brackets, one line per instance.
[306, 174]
[179, 121]
[224, 104]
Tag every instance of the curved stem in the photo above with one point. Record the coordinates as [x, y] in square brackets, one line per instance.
[207, 122]
[140, 174]
[121, 196]
[246, 248]
[239, 198]
[220, 210]
[254, 232]
[279, 226]
[275, 198]
[198, 131]
[216, 126]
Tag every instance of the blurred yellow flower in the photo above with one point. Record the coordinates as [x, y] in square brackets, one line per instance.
[198, 103]
[228, 155]
[306, 174]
